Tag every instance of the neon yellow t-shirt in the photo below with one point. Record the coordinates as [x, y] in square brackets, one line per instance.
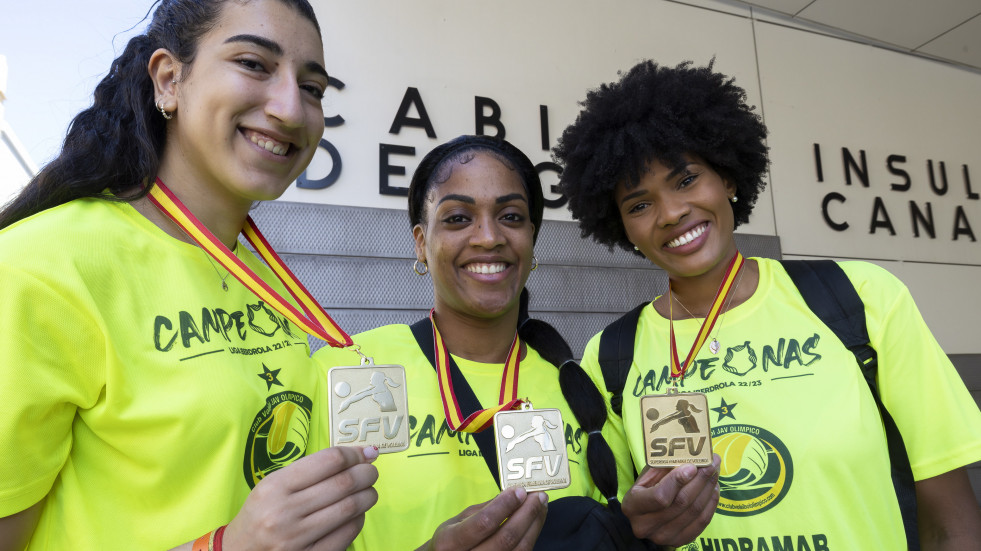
[804, 458]
[442, 472]
[141, 402]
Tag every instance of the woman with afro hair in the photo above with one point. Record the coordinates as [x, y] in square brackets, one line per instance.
[667, 162]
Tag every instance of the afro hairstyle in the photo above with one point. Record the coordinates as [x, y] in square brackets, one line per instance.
[658, 113]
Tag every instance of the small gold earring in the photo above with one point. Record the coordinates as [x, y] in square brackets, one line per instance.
[423, 271]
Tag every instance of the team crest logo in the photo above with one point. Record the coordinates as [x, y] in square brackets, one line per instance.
[756, 471]
[278, 436]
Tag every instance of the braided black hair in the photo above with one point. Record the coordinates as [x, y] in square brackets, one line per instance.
[116, 144]
[658, 113]
[584, 399]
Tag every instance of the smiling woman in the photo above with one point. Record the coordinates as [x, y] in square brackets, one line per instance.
[667, 161]
[159, 399]
[476, 205]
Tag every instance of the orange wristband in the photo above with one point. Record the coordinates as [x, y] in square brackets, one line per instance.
[204, 542]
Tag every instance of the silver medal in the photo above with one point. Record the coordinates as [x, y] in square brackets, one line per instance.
[531, 448]
[368, 406]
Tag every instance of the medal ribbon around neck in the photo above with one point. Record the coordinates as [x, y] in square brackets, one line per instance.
[316, 322]
[678, 368]
[478, 420]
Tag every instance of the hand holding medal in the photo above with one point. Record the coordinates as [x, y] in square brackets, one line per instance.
[674, 505]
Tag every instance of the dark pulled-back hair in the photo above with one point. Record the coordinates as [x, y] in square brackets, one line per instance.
[658, 113]
[583, 397]
[116, 143]
[437, 166]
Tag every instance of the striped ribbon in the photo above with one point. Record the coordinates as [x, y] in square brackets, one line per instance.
[316, 322]
[678, 368]
[478, 420]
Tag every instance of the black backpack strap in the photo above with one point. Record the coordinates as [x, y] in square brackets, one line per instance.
[831, 296]
[616, 353]
[422, 330]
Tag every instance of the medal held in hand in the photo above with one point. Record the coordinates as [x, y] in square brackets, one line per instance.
[531, 448]
[676, 429]
[676, 424]
[368, 406]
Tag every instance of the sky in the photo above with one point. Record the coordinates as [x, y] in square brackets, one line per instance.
[57, 52]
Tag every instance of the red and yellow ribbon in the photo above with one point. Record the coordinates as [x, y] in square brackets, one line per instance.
[316, 322]
[678, 368]
[478, 420]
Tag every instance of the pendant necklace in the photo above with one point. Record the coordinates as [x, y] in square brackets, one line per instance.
[224, 285]
[714, 345]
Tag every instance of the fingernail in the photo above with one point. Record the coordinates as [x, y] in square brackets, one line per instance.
[521, 493]
[371, 453]
[543, 498]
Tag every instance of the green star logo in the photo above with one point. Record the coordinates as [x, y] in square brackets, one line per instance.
[271, 377]
[725, 410]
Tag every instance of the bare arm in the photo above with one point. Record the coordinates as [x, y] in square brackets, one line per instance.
[16, 530]
[947, 512]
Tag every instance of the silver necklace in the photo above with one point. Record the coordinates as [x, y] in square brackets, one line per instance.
[714, 346]
[224, 285]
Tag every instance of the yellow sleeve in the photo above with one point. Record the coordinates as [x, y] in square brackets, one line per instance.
[52, 362]
[939, 420]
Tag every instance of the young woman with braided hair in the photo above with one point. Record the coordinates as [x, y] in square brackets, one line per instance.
[476, 205]
[151, 400]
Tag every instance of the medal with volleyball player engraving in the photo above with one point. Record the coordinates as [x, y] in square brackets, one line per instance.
[368, 406]
[676, 429]
[531, 448]
[676, 424]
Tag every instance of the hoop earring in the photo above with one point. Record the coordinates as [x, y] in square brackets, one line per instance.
[415, 268]
[534, 263]
[163, 111]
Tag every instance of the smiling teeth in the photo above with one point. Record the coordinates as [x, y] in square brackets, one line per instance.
[271, 146]
[495, 268]
[688, 237]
